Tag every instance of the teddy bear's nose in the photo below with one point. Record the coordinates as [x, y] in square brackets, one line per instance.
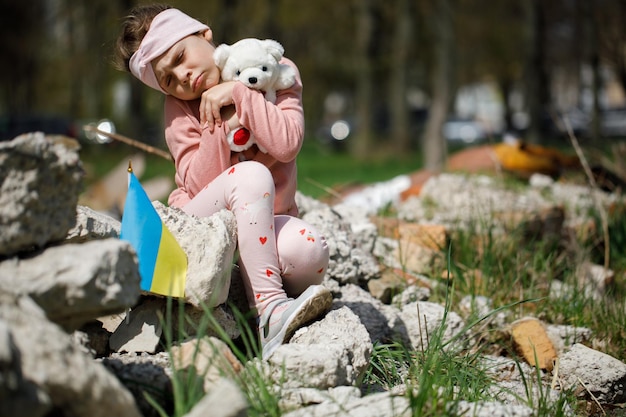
[252, 80]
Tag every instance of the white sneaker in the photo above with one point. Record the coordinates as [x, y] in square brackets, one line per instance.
[281, 318]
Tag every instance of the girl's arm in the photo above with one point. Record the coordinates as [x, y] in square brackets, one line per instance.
[199, 155]
[279, 128]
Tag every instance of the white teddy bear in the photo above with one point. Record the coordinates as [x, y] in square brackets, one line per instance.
[255, 63]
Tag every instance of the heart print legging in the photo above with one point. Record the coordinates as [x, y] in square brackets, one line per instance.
[279, 256]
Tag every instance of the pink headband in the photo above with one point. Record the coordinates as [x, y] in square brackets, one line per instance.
[167, 28]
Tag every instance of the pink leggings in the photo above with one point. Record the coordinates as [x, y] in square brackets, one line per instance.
[279, 256]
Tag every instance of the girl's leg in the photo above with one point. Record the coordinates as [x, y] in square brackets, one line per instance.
[247, 189]
[302, 254]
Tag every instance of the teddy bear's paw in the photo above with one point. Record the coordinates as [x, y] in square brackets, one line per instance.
[286, 78]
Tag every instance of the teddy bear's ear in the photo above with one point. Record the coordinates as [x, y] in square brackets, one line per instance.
[220, 55]
[274, 48]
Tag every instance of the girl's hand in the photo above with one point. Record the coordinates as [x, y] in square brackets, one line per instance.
[211, 103]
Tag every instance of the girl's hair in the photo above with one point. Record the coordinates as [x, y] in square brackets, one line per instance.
[134, 27]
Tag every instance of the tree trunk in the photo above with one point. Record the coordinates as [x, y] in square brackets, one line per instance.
[21, 35]
[361, 143]
[592, 58]
[536, 91]
[398, 78]
[619, 52]
[433, 143]
[506, 87]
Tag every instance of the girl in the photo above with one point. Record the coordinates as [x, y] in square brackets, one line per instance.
[281, 256]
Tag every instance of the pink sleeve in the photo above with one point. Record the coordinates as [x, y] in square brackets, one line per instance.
[199, 156]
[279, 128]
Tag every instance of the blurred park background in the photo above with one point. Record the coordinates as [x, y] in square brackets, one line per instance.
[405, 77]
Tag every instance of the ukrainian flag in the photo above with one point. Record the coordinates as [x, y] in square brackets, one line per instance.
[162, 262]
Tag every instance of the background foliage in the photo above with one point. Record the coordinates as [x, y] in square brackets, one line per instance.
[379, 55]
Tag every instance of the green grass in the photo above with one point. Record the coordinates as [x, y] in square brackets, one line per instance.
[513, 268]
[320, 168]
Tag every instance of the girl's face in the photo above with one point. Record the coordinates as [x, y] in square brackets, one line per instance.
[187, 69]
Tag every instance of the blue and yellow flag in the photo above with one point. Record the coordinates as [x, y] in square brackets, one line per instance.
[162, 262]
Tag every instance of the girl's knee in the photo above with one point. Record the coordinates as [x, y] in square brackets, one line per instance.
[254, 172]
[252, 180]
[303, 254]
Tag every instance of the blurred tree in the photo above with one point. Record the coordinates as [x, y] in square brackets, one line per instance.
[374, 54]
[400, 49]
[612, 35]
[592, 53]
[22, 33]
[490, 47]
[320, 37]
[364, 88]
[536, 77]
[442, 84]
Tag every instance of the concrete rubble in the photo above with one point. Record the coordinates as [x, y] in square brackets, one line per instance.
[79, 338]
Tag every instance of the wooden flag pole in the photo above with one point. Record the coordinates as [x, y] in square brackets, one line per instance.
[131, 142]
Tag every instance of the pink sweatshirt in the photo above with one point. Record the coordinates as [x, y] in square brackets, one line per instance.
[200, 156]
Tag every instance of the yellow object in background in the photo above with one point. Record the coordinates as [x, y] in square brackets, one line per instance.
[526, 159]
